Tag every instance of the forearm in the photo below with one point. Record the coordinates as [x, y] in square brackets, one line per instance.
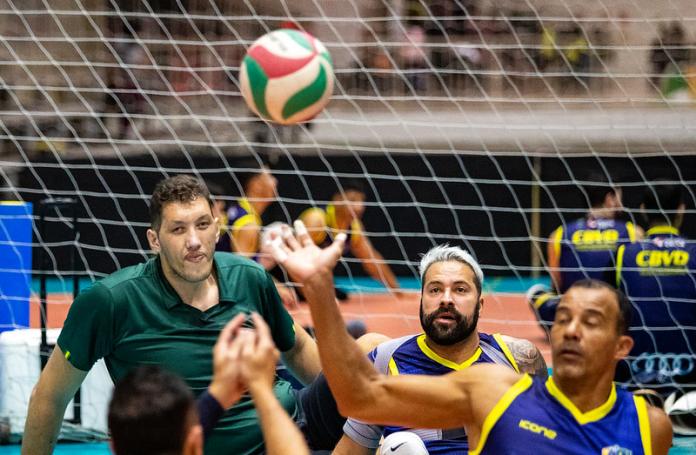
[280, 433]
[303, 359]
[44, 418]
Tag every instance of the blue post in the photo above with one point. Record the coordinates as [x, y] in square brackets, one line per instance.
[15, 264]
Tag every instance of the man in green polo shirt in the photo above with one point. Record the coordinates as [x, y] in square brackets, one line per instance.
[169, 311]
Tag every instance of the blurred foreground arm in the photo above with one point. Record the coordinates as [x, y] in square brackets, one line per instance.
[258, 358]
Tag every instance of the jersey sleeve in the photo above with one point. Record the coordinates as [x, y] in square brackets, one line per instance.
[87, 333]
[276, 316]
[363, 434]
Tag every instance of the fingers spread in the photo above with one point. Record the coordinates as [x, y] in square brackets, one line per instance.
[302, 234]
[278, 249]
[290, 239]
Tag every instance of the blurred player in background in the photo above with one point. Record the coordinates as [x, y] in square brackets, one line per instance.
[578, 410]
[659, 277]
[344, 214]
[243, 218]
[450, 304]
[241, 225]
[585, 248]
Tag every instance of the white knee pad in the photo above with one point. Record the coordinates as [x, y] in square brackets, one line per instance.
[403, 443]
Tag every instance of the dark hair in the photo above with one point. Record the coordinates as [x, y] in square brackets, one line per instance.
[623, 321]
[597, 188]
[350, 185]
[182, 188]
[661, 202]
[149, 412]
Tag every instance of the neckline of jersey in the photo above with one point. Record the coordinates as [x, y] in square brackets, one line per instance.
[582, 418]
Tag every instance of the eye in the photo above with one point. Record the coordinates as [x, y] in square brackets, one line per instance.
[561, 319]
[592, 322]
[178, 230]
[434, 290]
[203, 224]
[462, 289]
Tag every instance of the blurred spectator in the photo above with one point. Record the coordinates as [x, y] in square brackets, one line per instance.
[413, 58]
[667, 50]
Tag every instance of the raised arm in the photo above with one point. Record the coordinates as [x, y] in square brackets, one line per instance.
[361, 392]
[258, 358]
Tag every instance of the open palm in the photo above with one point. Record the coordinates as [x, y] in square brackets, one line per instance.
[301, 257]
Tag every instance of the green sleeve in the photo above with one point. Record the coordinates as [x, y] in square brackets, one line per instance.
[87, 333]
[277, 317]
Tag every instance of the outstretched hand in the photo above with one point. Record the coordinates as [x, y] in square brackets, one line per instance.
[298, 254]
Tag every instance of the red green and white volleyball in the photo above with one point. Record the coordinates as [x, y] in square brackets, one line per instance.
[287, 76]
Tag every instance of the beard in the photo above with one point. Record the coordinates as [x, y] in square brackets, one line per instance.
[446, 336]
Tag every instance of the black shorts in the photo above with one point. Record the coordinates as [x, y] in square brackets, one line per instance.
[318, 417]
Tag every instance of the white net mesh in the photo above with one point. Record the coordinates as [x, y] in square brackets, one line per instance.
[468, 121]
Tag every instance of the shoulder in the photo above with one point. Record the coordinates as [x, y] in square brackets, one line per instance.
[526, 354]
[660, 430]
[226, 262]
[128, 274]
[519, 343]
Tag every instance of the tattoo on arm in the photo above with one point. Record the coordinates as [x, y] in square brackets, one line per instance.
[528, 358]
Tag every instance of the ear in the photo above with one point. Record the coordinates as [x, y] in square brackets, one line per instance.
[623, 347]
[480, 302]
[193, 444]
[153, 240]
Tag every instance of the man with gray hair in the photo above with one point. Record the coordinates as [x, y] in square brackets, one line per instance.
[451, 301]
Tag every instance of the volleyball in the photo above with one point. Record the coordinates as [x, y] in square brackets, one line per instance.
[287, 76]
[403, 443]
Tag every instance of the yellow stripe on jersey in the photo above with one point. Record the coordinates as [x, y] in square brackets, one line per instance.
[631, 229]
[393, 369]
[662, 230]
[643, 424]
[506, 350]
[443, 361]
[619, 263]
[557, 236]
[582, 418]
[245, 220]
[500, 407]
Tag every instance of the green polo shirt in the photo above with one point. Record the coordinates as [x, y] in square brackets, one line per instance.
[134, 317]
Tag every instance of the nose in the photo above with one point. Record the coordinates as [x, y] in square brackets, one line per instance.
[572, 329]
[446, 297]
[193, 241]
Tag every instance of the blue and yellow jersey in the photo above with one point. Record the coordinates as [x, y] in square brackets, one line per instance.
[238, 216]
[659, 277]
[411, 355]
[324, 239]
[535, 416]
[586, 248]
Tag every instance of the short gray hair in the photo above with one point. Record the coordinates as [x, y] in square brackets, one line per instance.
[442, 253]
